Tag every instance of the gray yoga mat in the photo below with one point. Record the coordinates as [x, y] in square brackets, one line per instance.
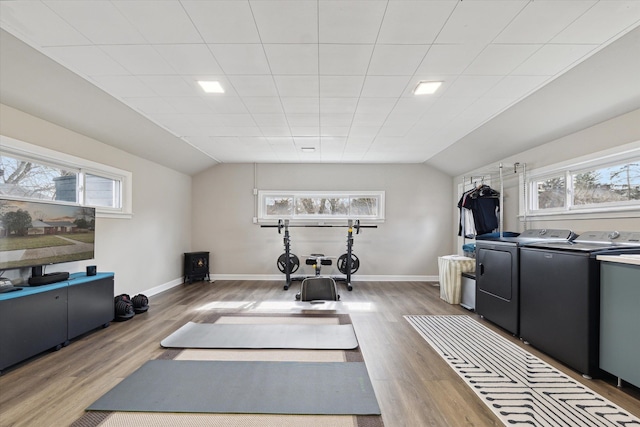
[310, 388]
[293, 336]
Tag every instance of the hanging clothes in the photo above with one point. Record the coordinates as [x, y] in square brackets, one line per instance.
[483, 204]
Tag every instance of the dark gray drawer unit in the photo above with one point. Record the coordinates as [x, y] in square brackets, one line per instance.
[40, 318]
[90, 303]
[33, 323]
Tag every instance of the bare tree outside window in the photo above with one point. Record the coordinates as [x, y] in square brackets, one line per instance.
[31, 180]
[620, 183]
[552, 193]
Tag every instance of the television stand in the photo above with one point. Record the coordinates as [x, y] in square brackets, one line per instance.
[47, 279]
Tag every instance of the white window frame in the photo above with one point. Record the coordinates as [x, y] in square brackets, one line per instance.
[42, 155]
[264, 218]
[627, 153]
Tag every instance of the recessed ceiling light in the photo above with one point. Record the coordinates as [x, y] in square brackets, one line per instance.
[211, 86]
[426, 88]
[308, 149]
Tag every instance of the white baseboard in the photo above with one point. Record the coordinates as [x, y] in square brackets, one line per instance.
[164, 287]
[355, 278]
[275, 277]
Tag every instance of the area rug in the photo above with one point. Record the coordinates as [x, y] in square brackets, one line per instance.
[117, 419]
[517, 386]
[295, 336]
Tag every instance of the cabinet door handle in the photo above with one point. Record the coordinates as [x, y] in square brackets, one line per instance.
[481, 266]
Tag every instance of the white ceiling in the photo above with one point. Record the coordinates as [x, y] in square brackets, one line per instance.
[336, 75]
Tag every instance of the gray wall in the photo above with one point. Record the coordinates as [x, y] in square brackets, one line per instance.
[405, 246]
[145, 252]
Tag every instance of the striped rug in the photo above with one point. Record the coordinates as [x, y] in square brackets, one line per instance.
[517, 386]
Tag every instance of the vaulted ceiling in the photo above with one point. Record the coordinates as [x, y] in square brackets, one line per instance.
[333, 75]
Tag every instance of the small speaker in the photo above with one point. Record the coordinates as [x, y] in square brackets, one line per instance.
[91, 270]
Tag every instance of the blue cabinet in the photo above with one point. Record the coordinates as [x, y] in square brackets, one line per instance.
[619, 319]
[41, 318]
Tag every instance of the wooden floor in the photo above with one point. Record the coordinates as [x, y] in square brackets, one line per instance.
[414, 386]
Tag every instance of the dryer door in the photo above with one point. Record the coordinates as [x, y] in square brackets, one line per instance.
[495, 271]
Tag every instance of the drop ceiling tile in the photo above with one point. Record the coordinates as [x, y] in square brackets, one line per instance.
[223, 21]
[306, 105]
[292, 58]
[552, 59]
[449, 59]
[99, 21]
[46, 28]
[338, 105]
[540, 21]
[139, 59]
[397, 60]
[241, 59]
[368, 120]
[340, 86]
[600, 23]
[448, 107]
[380, 106]
[305, 131]
[282, 21]
[226, 104]
[334, 120]
[470, 86]
[350, 21]
[169, 85]
[304, 86]
[362, 133]
[234, 120]
[414, 105]
[188, 104]
[501, 59]
[414, 22]
[254, 86]
[262, 104]
[303, 120]
[403, 118]
[515, 87]
[392, 130]
[274, 131]
[275, 120]
[160, 21]
[334, 131]
[86, 60]
[478, 21]
[384, 86]
[124, 86]
[344, 59]
[189, 58]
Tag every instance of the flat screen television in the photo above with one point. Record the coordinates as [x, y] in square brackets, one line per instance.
[36, 234]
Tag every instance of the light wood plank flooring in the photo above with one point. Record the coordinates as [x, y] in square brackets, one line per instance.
[414, 386]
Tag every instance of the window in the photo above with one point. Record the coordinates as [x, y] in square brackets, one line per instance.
[32, 172]
[312, 205]
[606, 184]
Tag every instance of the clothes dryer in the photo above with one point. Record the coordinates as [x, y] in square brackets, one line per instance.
[498, 275]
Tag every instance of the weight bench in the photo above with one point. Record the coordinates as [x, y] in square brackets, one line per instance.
[318, 260]
[318, 289]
